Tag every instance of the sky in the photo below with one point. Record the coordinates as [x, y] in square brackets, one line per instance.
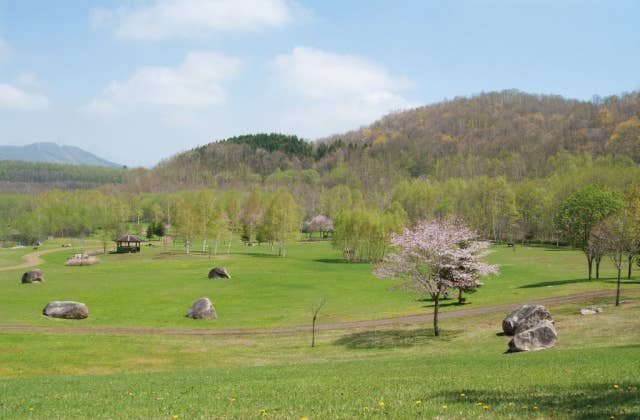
[137, 81]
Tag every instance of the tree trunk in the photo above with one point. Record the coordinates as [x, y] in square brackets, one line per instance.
[313, 330]
[590, 264]
[459, 296]
[436, 300]
[204, 245]
[618, 286]
[282, 252]
[598, 259]
[631, 257]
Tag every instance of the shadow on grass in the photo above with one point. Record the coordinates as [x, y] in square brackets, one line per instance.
[386, 339]
[443, 304]
[259, 254]
[552, 283]
[587, 401]
[614, 280]
[332, 261]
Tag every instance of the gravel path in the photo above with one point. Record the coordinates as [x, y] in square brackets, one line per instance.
[409, 319]
[32, 259]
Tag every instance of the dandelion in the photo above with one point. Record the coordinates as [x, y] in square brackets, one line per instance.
[380, 404]
[232, 399]
[418, 402]
[263, 412]
[485, 407]
[444, 406]
[30, 408]
[365, 408]
[479, 404]
[615, 386]
[462, 394]
[535, 407]
[510, 404]
[303, 418]
[175, 417]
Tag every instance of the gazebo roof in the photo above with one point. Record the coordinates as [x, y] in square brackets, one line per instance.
[128, 238]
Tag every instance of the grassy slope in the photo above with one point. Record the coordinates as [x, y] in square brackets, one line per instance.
[201, 376]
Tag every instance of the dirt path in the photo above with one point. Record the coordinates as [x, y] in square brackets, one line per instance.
[32, 259]
[426, 317]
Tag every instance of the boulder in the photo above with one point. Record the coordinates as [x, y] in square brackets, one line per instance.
[590, 311]
[202, 309]
[33, 276]
[66, 310]
[541, 336]
[219, 273]
[524, 318]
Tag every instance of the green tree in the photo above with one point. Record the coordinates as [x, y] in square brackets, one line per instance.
[581, 212]
[282, 219]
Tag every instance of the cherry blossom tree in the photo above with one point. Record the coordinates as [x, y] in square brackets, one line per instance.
[434, 258]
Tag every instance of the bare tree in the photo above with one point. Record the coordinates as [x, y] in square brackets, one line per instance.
[314, 311]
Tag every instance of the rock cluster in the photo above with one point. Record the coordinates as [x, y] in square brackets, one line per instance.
[219, 273]
[531, 327]
[202, 309]
[33, 276]
[66, 310]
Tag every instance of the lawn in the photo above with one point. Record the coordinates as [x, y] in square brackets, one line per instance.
[156, 287]
[398, 371]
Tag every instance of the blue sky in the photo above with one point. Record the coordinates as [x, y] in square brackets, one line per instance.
[138, 81]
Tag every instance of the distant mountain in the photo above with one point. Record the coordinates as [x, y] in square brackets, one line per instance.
[53, 153]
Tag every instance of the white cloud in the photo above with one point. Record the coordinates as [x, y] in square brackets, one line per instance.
[330, 92]
[13, 98]
[195, 84]
[187, 18]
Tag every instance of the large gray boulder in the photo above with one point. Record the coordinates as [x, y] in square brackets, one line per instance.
[33, 276]
[219, 273]
[202, 309]
[66, 310]
[524, 318]
[541, 336]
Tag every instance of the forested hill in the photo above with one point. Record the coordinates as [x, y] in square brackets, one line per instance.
[509, 133]
[33, 177]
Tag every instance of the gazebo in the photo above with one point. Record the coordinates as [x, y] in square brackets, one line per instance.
[128, 243]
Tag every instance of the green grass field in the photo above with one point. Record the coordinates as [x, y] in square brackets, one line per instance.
[398, 371]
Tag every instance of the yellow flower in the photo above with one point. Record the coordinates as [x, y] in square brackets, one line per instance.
[524, 407]
[485, 407]
[444, 407]
[418, 402]
[381, 403]
[615, 386]
[303, 418]
[365, 408]
[30, 408]
[232, 399]
[462, 394]
[510, 404]
[535, 407]
[479, 404]
[175, 417]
